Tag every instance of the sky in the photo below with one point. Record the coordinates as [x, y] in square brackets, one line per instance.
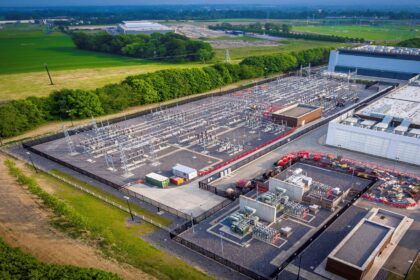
[46, 3]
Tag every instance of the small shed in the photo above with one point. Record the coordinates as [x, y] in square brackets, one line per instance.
[185, 172]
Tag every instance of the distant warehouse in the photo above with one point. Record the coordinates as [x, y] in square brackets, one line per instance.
[142, 27]
[377, 61]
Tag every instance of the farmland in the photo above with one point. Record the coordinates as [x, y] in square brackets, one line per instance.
[376, 33]
[237, 54]
[25, 48]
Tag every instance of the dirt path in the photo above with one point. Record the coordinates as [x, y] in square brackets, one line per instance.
[24, 223]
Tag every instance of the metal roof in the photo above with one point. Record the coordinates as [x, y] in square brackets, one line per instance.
[157, 177]
[387, 50]
[184, 169]
[143, 26]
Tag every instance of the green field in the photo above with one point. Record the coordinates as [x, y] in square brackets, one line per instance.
[237, 54]
[26, 48]
[376, 33]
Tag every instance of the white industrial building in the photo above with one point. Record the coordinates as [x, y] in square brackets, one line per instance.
[389, 127]
[295, 185]
[378, 61]
[142, 27]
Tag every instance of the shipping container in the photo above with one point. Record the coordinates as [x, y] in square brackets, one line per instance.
[185, 172]
[177, 180]
[157, 180]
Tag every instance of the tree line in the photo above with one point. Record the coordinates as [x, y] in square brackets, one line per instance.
[157, 46]
[105, 15]
[284, 30]
[19, 116]
[15, 264]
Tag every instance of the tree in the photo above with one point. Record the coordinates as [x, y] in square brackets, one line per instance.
[286, 28]
[169, 46]
[115, 97]
[12, 122]
[144, 92]
[75, 104]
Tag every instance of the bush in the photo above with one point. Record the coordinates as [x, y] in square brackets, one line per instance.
[75, 104]
[410, 43]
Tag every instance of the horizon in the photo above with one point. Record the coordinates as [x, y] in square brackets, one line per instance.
[132, 3]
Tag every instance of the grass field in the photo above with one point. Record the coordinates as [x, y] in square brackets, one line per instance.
[237, 54]
[21, 85]
[111, 224]
[27, 49]
[376, 33]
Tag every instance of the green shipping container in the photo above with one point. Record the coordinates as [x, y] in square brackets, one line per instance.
[157, 180]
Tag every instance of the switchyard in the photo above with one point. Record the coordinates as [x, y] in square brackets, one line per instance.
[200, 134]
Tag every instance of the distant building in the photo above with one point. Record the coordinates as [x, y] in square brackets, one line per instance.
[377, 61]
[389, 127]
[142, 27]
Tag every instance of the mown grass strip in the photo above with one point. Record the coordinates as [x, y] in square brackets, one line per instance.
[136, 208]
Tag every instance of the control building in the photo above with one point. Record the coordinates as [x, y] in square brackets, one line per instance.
[296, 115]
[389, 127]
[355, 255]
[377, 61]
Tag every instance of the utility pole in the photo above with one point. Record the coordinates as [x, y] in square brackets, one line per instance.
[129, 207]
[192, 223]
[33, 165]
[300, 260]
[49, 75]
[227, 56]
[221, 243]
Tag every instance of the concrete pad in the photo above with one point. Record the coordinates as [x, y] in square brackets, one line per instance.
[188, 199]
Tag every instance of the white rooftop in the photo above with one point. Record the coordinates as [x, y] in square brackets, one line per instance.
[402, 103]
[184, 168]
[388, 50]
[143, 25]
[157, 176]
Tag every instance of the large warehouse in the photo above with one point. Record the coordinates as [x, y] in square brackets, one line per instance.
[378, 61]
[389, 127]
[142, 27]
